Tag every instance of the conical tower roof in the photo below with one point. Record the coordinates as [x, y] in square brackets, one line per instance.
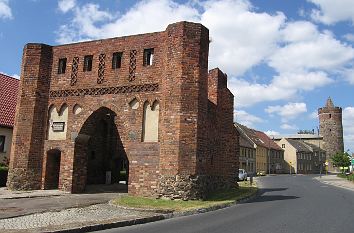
[329, 103]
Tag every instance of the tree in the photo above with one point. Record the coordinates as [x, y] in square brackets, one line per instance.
[341, 159]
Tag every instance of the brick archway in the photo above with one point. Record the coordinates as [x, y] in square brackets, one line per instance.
[99, 155]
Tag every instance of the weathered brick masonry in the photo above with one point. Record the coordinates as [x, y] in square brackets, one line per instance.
[197, 144]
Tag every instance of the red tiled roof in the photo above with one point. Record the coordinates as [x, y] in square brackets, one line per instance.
[267, 141]
[8, 99]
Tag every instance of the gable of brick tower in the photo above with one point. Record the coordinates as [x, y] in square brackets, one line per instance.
[140, 111]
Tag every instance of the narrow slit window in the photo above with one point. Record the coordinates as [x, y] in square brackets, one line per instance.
[62, 66]
[148, 57]
[2, 143]
[117, 60]
[88, 63]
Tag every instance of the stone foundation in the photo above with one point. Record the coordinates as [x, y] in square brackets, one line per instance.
[192, 187]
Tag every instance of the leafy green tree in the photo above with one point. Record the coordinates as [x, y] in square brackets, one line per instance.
[341, 159]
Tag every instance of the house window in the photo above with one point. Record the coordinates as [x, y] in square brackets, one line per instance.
[148, 57]
[2, 143]
[88, 63]
[117, 60]
[62, 66]
[282, 145]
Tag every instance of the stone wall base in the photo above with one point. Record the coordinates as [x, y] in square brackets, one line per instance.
[19, 180]
[192, 187]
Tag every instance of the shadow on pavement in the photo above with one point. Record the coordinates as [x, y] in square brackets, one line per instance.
[273, 198]
[113, 188]
[264, 198]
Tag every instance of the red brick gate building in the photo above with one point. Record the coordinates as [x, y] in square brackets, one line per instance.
[143, 104]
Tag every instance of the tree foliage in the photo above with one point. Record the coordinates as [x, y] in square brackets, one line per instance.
[341, 159]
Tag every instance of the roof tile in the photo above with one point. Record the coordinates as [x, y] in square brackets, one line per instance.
[8, 98]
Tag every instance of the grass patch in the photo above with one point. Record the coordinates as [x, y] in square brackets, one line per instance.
[348, 177]
[218, 198]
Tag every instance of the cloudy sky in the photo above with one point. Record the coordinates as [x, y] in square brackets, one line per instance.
[284, 58]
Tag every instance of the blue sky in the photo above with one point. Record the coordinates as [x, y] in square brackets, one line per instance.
[283, 57]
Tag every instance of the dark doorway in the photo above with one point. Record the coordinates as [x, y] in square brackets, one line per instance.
[52, 170]
[106, 160]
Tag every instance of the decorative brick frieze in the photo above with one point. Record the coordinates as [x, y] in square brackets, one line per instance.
[105, 90]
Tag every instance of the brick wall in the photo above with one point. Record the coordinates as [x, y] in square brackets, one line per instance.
[196, 135]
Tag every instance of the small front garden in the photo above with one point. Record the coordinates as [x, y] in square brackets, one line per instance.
[349, 177]
[3, 175]
[224, 197]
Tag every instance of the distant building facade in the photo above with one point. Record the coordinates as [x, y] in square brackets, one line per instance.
[143, 105]
[275, 154]
[301, 157]
[8, 99]
[247, 157]
[269, 156]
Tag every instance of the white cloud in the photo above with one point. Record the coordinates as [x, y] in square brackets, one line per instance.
[323, 52]
[271, 133]
[283, 87]
[5, 10]
[241, 38]
[314, 115]
[235, 54]
[349, 37]
[288, 111]
[349, 75]
[137, 19]
[66, 5]
[247, 93]
[302, 57]
[333, 11]
[288, 127]
[299, 31]
[348, 128]
[246, 118]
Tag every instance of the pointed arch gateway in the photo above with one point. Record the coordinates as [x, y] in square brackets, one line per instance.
[99, 155]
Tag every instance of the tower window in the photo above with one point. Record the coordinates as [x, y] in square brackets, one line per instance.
[117, 60]
[148, 57]
[62, 66]
[282, 145]
[330, 116]
[88, 63]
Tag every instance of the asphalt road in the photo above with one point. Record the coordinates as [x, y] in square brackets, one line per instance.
[287, 203]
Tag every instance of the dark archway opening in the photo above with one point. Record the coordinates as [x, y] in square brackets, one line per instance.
[106, 160]
[52, 170]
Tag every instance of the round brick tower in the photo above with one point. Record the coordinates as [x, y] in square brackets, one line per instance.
[331, 129]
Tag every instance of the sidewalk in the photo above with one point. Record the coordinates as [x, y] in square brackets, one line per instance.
[7, 194]
[74, 213]
[336, 181]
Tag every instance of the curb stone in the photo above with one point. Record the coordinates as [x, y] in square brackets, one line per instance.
[105, 226]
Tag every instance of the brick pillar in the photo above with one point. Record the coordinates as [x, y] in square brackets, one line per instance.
[30, 121]
[184, 88]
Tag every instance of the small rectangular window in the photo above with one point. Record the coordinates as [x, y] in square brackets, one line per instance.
[282, 145]
[148, 57]
[2, 143]
[62, 66]
[88, 63]
[117, 60]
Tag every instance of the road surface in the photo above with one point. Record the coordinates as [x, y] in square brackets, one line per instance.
[287, 204]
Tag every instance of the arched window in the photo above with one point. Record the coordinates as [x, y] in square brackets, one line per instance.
[150, 132]
[57, 123]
